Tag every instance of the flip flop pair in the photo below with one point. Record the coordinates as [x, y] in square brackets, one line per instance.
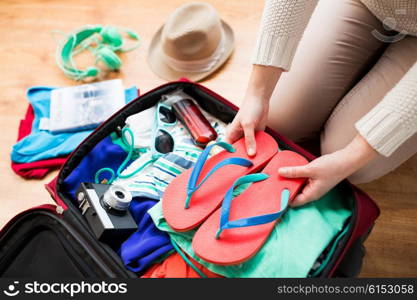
[232, 229]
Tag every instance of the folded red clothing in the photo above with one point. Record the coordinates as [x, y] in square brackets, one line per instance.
[175, 267]
[38, 169]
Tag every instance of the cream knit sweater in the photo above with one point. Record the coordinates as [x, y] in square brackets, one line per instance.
[390, 123]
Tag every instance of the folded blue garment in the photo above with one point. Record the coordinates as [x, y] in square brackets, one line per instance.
[41, 144]
[148, 243]
[107, 153]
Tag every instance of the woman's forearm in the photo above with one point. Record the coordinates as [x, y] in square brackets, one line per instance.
[357, 154]
[262, 82]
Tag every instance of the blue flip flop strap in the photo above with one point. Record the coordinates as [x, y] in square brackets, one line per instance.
[195, 174]
[225, 223]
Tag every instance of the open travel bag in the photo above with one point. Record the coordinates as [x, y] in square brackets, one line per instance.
[56, 241]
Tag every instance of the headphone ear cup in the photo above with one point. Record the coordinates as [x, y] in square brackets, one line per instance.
[91, 72]
[109, 58]
[112, 37]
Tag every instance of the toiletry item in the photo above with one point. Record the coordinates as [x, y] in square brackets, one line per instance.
[196, 123]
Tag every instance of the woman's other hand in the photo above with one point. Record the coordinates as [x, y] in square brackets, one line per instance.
[328, 170]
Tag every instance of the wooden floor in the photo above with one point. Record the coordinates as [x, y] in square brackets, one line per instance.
[27, 59]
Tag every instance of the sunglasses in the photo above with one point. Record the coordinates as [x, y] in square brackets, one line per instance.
[163, 140]
[165, 115]
[163, 143]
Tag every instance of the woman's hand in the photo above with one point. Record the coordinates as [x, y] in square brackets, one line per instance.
[251, 116]
[328, 170]
[253, 112]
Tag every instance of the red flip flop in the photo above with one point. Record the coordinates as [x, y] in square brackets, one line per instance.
[237, 230]
[192, 196]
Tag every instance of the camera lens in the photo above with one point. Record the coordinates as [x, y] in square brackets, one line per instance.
[120, 194]
[117, 198]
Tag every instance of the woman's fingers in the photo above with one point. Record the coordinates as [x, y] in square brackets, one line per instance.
[236, 130]
[308, 194]
[295, 172]
[300, 200]
[233, 132]
[250, 139]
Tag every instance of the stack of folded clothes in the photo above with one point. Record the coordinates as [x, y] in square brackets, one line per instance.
[39, 151]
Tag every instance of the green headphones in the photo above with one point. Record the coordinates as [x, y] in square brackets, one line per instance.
[107, 41]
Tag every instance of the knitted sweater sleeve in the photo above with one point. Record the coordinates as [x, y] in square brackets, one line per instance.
[393, 120]
[282, 25]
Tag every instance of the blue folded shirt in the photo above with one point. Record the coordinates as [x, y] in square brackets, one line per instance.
[41, 144]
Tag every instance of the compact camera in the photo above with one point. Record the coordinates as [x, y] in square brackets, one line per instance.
[106, 209]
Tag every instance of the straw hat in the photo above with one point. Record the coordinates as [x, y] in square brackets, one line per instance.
[193, 43]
